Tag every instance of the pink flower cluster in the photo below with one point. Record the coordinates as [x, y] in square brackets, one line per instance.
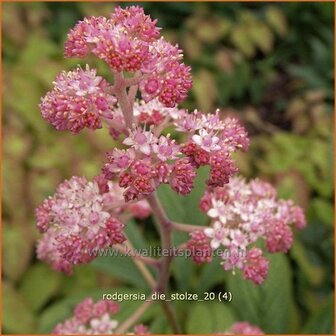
[154, 113]
[212, 143]
[130, 41]
[79, 99]
[93, 318]
[244, 328]
[152, 159]
[242, 213]
[81, 217]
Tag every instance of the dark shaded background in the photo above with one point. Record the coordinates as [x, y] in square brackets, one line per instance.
[270, 64]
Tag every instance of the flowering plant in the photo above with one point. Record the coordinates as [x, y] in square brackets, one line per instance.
[160, 143]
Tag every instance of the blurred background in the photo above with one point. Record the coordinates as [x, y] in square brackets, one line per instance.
[269, 64]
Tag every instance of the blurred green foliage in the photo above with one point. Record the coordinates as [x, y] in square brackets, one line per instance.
[270, 64]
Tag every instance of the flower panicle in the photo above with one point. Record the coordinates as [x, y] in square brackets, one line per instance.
[243, 212]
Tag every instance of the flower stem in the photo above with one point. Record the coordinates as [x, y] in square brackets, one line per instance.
[165, 226]
[134, 317]
[186, 227]
[128, 251]
[121, 94]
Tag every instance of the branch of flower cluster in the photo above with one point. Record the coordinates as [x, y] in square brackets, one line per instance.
[165, 123]
[134, 317]
[129, 251]
[121, 94]
[143, 268]
[186, 227]
[132, 94]
[136, 79]
[165, 226]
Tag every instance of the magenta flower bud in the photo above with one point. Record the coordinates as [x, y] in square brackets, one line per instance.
[199, 246]
[244, 328]
[256, 267]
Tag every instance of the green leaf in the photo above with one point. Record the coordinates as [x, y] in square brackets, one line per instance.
[185, 209]
[324, 210]
[121, 266]
[17, 250]
[17, 317]
[135, 235]
[160, 326]
[241, 39]
[205, 89]
[199, 319]
[13, 177]
[39, 284]
[322, 322]
[84, 277]
[262, 37]
[266, 305]
[313, 273]
[210, 275]
[209, 318]
[276, 20]
[53, 315]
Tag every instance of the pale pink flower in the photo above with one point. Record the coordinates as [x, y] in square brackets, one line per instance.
[218, 235]
[47, 251]
[234, 135]
[233, 258]
[90, 318]
[119, 159]
[141, 140]
[207, 141]
[166, 148]
[220, 210]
